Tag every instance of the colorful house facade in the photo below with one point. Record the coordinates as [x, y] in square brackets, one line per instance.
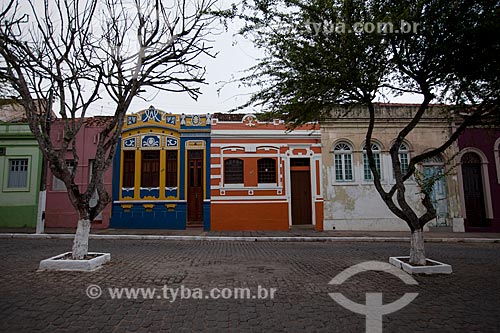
[20, 169]
[479, 179]
[59, 212]
[234, 172]
[161, 174]
[264, 177]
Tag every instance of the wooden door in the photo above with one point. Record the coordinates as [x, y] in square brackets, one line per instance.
[473, 190]
[195, 187]
[301, 197]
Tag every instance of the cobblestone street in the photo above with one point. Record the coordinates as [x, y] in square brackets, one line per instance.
[466, 301]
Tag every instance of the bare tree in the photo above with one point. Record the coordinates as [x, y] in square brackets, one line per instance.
[64, 55]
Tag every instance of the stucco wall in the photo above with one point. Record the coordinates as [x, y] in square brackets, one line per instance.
[18, 207]
[59, 210]
[356, 205]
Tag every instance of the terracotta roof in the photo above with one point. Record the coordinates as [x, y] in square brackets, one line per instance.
[97, 121]
[228, 116]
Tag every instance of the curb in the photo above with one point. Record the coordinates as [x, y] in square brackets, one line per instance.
[251, 239]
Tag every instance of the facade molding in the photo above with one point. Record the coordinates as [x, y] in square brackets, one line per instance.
[485, 180]
[496, 152]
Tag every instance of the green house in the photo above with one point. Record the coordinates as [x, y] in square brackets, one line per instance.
[20, 169]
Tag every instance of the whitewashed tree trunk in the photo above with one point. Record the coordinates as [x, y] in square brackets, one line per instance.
[40, 219]
[417, 253]
[81, 242]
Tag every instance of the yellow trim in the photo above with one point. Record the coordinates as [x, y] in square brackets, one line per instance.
[186, 175]
[137, 176]
[148, 207]
[126, 207]
[204, 175]
[163, 172]
[121, 174]
[178, 172]
[203, 172]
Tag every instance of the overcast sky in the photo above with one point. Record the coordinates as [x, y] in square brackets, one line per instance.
[235, 55]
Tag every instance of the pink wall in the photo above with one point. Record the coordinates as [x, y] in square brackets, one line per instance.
[59, 212]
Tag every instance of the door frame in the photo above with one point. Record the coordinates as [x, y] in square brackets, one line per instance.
[435, 165]
[305, 171]
[485, 178]
[313, 176]
[190, 146]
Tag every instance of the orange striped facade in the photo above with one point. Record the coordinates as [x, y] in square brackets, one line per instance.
[264, 177]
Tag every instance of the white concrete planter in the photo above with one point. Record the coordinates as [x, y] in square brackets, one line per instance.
[85, 265]
[433, 267]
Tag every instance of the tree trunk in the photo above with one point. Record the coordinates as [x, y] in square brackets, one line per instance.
[417, 253]
[81, 242]
[40, 219]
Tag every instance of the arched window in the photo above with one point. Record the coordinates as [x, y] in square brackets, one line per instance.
[404, 158]
[376, 156]
[266, 169]
[233, 171]
[343, 162]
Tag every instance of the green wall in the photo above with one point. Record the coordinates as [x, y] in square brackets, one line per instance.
[18, 207]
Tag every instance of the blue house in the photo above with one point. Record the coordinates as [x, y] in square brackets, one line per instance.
[161, 172]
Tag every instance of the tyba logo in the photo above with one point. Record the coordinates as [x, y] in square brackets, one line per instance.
[374, 309]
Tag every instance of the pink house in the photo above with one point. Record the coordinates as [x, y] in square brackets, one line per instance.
[59, 212]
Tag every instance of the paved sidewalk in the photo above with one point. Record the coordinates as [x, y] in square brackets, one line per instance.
[292, 235]
[465, 301]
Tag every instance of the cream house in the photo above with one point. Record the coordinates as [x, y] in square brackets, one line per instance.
[351, 200]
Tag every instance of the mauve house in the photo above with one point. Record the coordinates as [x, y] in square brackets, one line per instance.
[59, 212]
[479, 178]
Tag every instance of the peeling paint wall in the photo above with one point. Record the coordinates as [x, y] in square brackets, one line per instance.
[355, 204]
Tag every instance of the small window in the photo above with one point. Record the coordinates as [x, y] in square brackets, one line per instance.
[366, 166]
[57, 184]
[266, 169]
[150, 168]
[18, 173]
[343, 162]
[233, 171]
[128, 180]
[171, 180]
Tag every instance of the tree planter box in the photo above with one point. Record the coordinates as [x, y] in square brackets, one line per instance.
[432, 267]
[59, 263]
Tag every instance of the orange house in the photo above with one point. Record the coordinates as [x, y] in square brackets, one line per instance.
[264, 177]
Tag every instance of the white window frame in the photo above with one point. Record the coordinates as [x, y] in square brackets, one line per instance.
[342, 153]
[404, 150]
[7, 174]
[377, 152]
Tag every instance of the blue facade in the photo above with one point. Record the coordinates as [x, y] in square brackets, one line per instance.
[153, 185]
